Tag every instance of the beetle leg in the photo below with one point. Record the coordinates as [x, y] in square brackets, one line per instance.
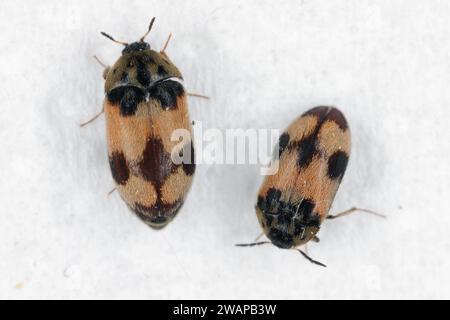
[110, 192]
[105, 67]
[310, 259]
[93, 118]
[197, 95]
[354, 209]
[259, 237]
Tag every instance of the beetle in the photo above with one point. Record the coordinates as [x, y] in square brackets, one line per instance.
[312, 156]
[145, 102]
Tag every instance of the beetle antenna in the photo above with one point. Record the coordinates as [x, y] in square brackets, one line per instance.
[112, 39]
[310, 259]
[149, 28]
[251, 244]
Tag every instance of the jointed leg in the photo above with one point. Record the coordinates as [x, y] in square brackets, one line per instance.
[351, 210]
[93, 118]
[197, 95]
[105, 67]
[110, 192]
[311, 260]
[259, 237]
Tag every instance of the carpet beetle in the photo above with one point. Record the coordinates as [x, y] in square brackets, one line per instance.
[145, 102]
[313, 155]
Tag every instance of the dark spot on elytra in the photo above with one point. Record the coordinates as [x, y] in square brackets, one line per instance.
[305, 208]
[298, 228]
[282, 143]
[336, 116]
[156, 165]
[159, 213]
[272, 199]
[119, 168]
[261, 203]
[269, 219]
[166, 93]
[305, 214]
[306, 149]
[285, 217]
[328, 113]
[189, 165]
[337, 164]
[128, 96]
[130, 100]
[319, 112]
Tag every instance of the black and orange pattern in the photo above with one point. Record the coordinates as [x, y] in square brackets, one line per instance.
[145, 102]
[313, 156]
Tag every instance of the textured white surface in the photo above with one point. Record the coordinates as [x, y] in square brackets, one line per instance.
[385, 64]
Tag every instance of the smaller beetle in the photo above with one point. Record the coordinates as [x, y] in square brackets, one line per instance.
[313, 154]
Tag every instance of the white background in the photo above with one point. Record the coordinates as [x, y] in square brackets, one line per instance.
[385, 64]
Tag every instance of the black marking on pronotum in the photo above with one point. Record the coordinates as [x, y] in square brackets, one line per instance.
[124, 78]
[119, 168]
[166, 92]
[161, 71]
[287, 215]
[143, 74]
[147, 59]
[337, 164]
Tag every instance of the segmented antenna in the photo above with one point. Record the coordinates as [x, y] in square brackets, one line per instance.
[112, 39]
[148, 31]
